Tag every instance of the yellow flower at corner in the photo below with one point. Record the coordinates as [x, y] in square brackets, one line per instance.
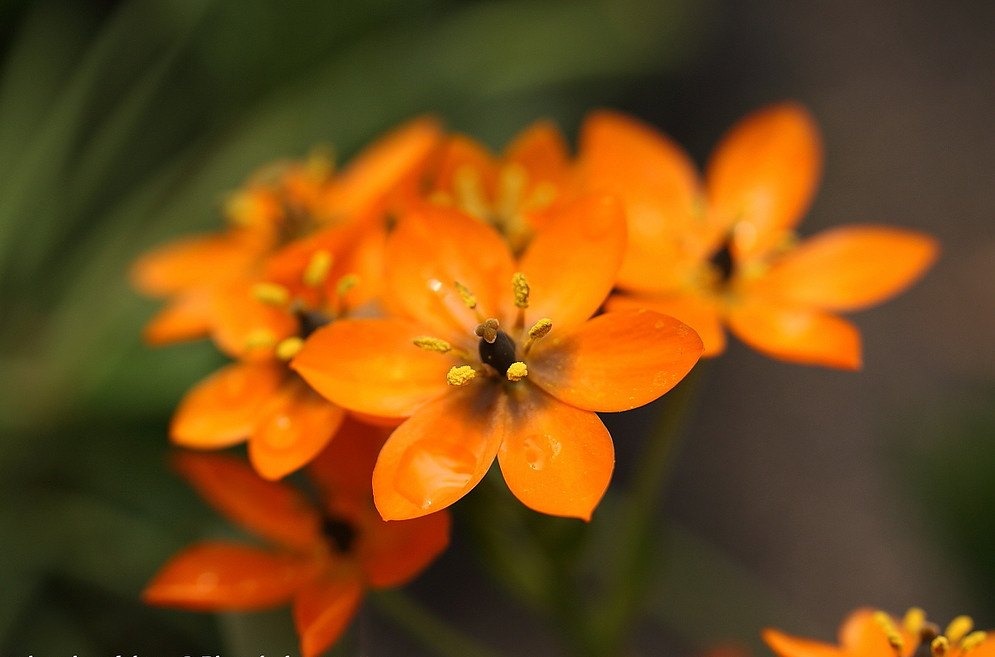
[874, 633]
[721, 252]
[491, 356]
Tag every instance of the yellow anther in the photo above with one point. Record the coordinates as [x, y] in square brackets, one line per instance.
[488, 330]
[972, 640]
[521, 287]
[260, 338]
[913, 621]
[271, 293]
[469, 190]
[289, 347]
[345, 284]
[887, 624]
[958, 628]
[432, 344]
[241, 209]
[540, 329]
[317, 269]
[320, 164]
[517, 371]
[461, 375]
[940, 646]
[511, 187]
[466, 295]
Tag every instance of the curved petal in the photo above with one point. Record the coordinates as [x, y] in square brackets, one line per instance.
[572, 262]
[763, 175]
[245, 327]
[217, 576]
[345, 467]
[186, 317]
[394, 552]
[224, 408]
[192, 262]
[861, 635]
[295, 426]
[440, 452]
[658, 183]
[555, 458]
[616, 361]
[697, 311]
[786, 645]
[431, 250]
[272, 510]
[850, 267]
[323, 610]
[803, 336]
[372, 366]
[463, 157]
[541, 150]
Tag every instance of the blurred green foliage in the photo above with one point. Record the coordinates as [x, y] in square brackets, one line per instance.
[122, 125]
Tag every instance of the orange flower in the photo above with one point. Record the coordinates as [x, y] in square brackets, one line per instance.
[507, 364]
[283, 204]
[514, 192]
[723, 252]
[323, 557]
[870, 633]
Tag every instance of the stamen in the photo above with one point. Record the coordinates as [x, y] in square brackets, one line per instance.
[469, 191]
[260, 338]
[517, 371]
[317, 268]
[488, 330]
[538, 331]
[466, 295]
[511, 186]
[320, 164]
[972, 640]
[940, 646]
[239, 208]
[885, 622]
[913, 621]
[271, 293]
[345, 284]
[461, 375]
[521, 287]
[289, 347]
[958, 628]
[429, 343]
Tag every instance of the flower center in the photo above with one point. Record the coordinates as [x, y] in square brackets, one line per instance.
[499, 352]
[722, 263]
[339, 533]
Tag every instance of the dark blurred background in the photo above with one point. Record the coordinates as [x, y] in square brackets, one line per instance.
[797, 493]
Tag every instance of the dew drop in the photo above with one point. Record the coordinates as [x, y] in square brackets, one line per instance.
[540, 450]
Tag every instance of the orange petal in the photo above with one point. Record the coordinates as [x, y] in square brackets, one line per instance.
[295, 426]
[186, 317]
[223, 409]
[384, 166]
[439, 453]
[860, 635]
[786, 645]
[658, 183]
[797, 335]
[217, 576]
[323, 610]
[372, 366]
[245, 327]
[434, 248]
[616, 361]
[461, 155]
[192, 262]
[556, 459]
[572, 262]
[269, 509]
[541, 150]
[763, 176]
[850, 267]
[394, 552]
[697, 311]
[345, 466]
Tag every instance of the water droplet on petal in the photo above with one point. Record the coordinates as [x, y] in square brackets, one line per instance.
[280, 432]
[540, 450]
[431, 469]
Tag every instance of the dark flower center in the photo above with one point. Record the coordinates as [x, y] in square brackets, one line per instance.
[341, 535]
[499, 354]
[721, 260]
[311, 321]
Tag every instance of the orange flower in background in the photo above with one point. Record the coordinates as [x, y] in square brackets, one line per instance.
[722, 253]
[282, 214]
[514, 192]
[324, 555]
[495, 357]
[872, 633]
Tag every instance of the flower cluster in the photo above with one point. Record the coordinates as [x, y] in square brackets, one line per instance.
[398, 325]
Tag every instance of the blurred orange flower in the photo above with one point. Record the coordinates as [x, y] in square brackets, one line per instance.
[323, 557]
[723, 252]
[493, 357]
[871, 633]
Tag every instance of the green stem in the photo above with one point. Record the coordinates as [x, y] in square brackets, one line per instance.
[627, 587]
[427, 628]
